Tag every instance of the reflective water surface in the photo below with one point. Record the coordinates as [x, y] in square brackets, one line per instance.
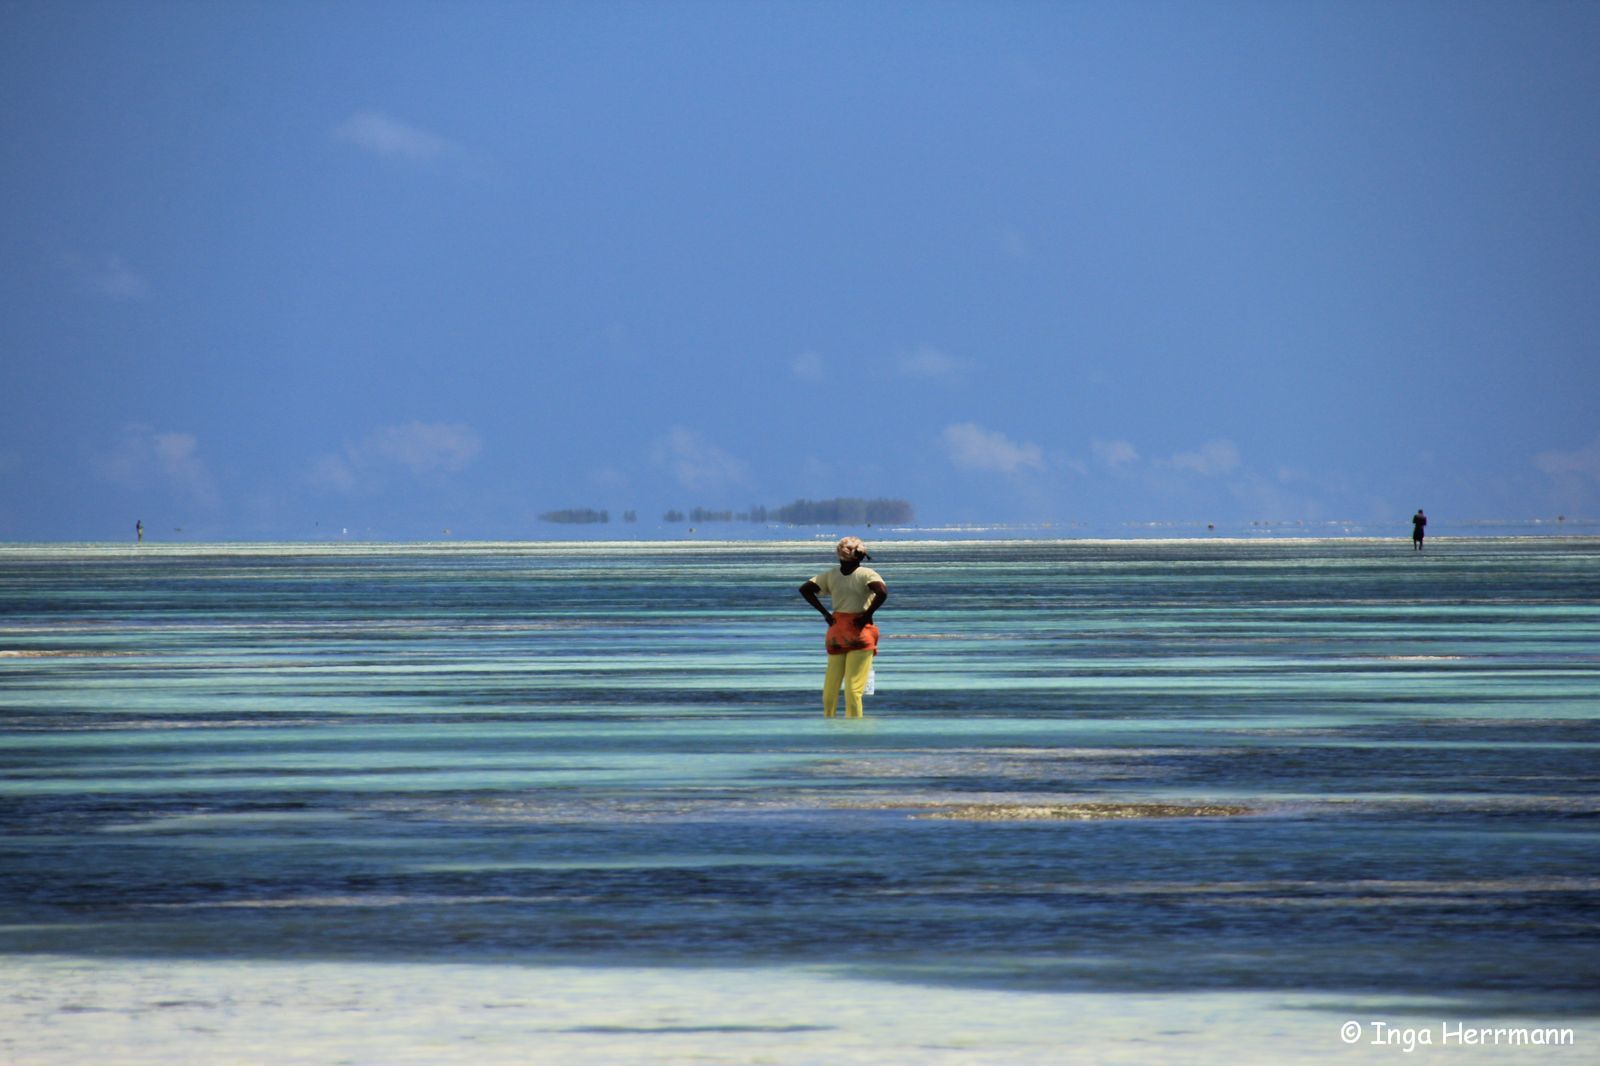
[1183, 766]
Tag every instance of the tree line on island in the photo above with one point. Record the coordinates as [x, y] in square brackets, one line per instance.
[841, 510]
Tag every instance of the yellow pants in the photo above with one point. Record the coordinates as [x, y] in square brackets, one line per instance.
[851, 668]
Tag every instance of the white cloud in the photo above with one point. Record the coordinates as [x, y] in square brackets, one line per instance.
[107, 275]
[610, 479]
[143, 459]
[1583, 462]
[1077, 466]
[118, 281]
[179, 456]
[972, 447]
[808, 366]
[426, 447]
[421, 449]
[696, 463]
[393, 139]
[1013, 243]
[931, 364]
[333, 472]
[1115, 453]
[1212, 457]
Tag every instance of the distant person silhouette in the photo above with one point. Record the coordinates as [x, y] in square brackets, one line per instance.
[1419, 522]
[138, 529]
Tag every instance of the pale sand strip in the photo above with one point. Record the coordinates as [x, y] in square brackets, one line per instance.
[68, 1012]
[1080, 812]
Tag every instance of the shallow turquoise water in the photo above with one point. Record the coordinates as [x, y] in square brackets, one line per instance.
[612, 754]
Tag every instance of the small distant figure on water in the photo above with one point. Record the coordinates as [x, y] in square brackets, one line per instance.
[1419, 522]
[138, 530]
[856, 593]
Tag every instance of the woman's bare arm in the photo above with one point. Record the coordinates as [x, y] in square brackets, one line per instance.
[880, 595]
[809, 590]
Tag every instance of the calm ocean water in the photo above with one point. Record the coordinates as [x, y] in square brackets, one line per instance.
[1330, 768]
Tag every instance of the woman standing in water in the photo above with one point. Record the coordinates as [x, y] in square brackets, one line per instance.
[852, 640]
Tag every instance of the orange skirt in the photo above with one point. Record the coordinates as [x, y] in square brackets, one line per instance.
[844, 636]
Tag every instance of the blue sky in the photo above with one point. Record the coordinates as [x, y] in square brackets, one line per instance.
[276, 269]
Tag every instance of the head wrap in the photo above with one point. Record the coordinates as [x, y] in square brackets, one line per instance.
[848, 548]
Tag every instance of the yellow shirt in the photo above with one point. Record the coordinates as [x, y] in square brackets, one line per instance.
[849, 592]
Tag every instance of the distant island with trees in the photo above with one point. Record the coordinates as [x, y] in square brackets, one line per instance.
[841, 510]
[583, 516]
